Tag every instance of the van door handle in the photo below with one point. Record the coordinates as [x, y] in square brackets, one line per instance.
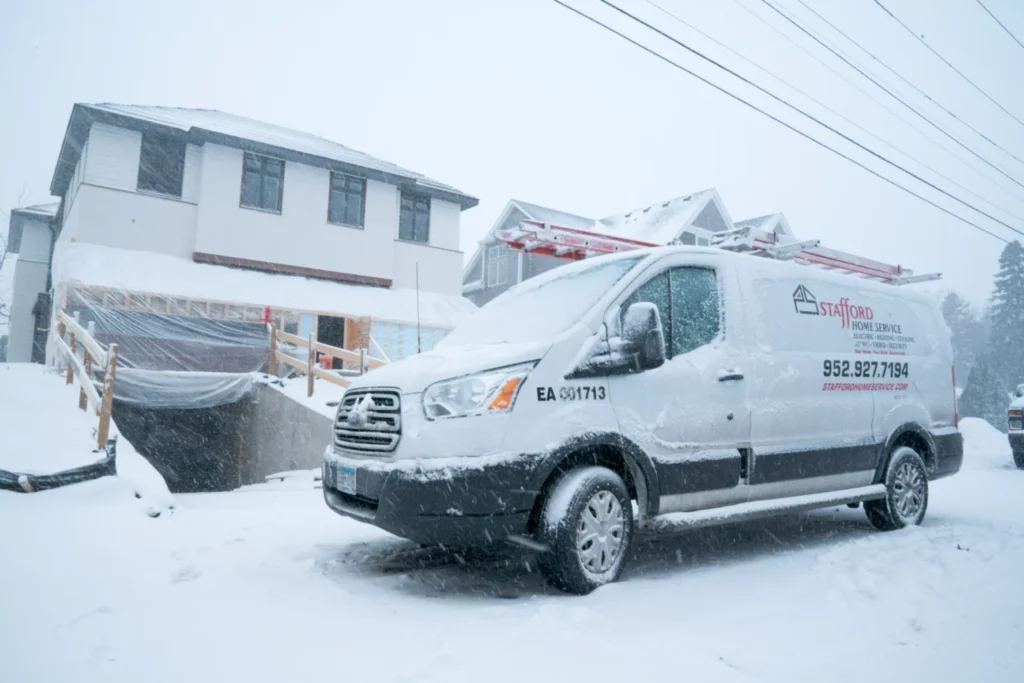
[729, 375]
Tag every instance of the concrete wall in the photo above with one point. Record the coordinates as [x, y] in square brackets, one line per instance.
[280, 434]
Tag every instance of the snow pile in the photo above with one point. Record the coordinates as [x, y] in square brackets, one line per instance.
[989, 447]
[42, 431]
[325, 396]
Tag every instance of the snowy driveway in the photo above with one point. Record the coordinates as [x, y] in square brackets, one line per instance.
[267, 585]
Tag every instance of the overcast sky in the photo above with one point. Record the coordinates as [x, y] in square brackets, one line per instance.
[521, 98]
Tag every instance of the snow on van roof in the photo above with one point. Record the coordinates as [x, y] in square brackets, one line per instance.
[151, 273]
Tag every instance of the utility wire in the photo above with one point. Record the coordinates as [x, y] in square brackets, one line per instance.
[874, 99]
[899, 76]
[821, 123]
[1001, 25]
[888, 91]
[947, 62]
[796, 130]
[829, 109]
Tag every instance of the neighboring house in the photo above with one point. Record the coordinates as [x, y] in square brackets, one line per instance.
[690, 219]
[208, 196]
[29, 248]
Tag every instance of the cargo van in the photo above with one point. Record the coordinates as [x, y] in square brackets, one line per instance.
[667, 387]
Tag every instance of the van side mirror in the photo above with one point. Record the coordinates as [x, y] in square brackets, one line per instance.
[643, 334]
[1020, 391]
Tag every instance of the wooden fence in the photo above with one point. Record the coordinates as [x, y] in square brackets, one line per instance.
[93, 353]
[310, 367]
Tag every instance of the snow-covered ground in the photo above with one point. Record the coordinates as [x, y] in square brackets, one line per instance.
[265, 584]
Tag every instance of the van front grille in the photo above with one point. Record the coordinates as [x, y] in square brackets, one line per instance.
[369, 421]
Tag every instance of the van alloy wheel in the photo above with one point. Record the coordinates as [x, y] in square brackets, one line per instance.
[906, 492]
[600, 533]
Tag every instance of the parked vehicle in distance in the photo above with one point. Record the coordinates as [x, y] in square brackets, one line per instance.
[1015, 426]
[672, 387]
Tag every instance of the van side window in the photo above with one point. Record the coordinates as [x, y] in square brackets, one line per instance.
[654, 291]
[694, 305]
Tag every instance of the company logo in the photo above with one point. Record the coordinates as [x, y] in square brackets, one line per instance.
[805, 302]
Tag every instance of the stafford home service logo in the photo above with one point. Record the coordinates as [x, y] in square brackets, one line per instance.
[806, 303]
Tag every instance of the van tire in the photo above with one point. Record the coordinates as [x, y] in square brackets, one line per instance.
[593, 499]
[1018, 459]
[906, 492]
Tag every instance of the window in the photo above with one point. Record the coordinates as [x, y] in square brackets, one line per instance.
[687, 301]
[693, 297]
[262, 182]
[414, 218]
[161, 165]
[497, 265]
[347, 199]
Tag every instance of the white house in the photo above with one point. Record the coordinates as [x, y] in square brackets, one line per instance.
[27, 265]
[146, 191]
[690, 219]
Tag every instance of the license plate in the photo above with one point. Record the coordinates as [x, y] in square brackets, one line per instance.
[347, 479]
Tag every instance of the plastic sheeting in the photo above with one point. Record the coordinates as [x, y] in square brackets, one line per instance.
[169, 389]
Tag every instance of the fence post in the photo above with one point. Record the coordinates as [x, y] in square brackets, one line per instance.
[310, 364]
[362, 361]
[70, 372]
[273, 350]
[107, 402]
[83, 402]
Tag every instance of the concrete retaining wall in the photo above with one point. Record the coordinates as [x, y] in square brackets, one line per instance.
[280, 435]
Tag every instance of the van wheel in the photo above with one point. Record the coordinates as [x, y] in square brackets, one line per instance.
[906, 492]
[1018, 459]
[587, 525]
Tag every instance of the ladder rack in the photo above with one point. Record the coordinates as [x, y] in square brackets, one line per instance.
[535, 237]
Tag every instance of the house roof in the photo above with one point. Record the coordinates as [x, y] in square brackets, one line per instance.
[773, 222]
[199, 126]
[38, 210]
[546, 215]
[659, 223]
[151, 273]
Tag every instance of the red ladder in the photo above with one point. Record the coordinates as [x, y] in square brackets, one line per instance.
[535, 237]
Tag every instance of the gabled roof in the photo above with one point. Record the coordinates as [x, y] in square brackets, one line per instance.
[659, 223]
[546, 215]
[773, 222]
[199, 126]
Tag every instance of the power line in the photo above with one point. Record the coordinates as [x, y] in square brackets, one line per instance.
[947, 62]
[889, 92]
[829, 109]
[777, 120]
[1001, 25]
[899, 76]
[870, 96]
[821, 123]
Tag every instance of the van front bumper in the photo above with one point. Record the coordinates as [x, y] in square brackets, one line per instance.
[456, 501]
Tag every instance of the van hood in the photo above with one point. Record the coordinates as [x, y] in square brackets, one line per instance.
[414, 374]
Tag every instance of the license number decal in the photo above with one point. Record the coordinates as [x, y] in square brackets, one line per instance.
[584, 393]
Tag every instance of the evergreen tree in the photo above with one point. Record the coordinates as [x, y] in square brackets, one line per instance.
[985, 395]
[968, 334]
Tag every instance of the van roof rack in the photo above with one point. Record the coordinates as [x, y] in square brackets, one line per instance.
[573, 244]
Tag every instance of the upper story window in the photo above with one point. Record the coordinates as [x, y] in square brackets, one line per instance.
[414, 218]
[497, 265]
[161, 164]
[262, 182]
[347, 200]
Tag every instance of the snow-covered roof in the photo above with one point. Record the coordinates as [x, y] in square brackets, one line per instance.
[659, 223]
[554, 216]
[48, 210]
[773, 222]
[151, 273]
[210, 125]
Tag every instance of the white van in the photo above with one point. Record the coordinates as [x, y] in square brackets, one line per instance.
[675, 386]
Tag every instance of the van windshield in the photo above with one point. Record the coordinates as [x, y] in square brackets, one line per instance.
[543, 306]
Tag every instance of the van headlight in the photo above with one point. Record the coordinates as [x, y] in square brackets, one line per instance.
[484, 393]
